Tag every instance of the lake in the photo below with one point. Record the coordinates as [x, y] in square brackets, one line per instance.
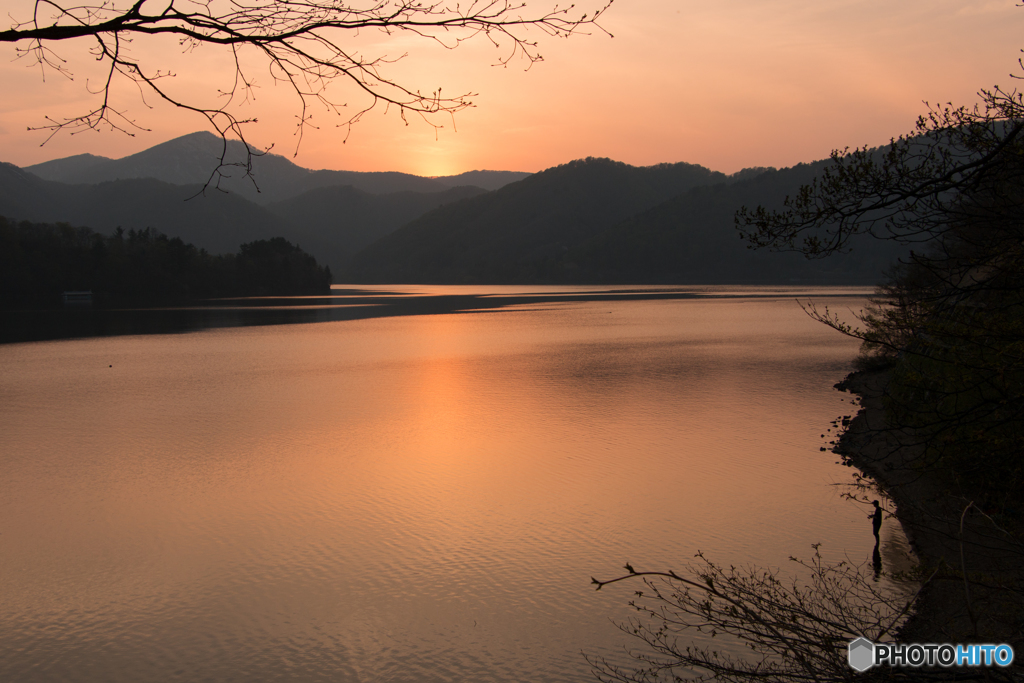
[419, 493]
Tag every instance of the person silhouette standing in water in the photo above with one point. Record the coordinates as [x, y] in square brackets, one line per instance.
[876, 526]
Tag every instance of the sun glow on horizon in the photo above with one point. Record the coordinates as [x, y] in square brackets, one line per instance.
[728, 86]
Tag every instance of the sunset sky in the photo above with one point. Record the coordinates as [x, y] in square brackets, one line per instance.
[727, 84]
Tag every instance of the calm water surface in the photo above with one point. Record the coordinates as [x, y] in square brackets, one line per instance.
[405, 498]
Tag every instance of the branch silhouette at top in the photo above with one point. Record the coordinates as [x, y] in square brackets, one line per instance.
[300, 42]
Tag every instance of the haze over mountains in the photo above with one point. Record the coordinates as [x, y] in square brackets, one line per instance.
[332, 214]
[592, 220]
[193, 160]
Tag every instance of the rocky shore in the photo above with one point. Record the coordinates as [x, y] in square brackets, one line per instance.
[972, 557]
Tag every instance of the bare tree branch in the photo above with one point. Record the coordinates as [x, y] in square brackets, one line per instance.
[910, 191]
[791, 630]
[301, 42]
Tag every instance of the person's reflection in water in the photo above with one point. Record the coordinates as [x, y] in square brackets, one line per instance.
[876, 561]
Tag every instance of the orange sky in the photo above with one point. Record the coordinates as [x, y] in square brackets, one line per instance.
[726, 84]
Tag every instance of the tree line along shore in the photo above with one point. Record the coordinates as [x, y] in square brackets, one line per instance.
[40, 261]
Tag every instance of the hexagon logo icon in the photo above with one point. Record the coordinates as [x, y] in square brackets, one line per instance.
[861, 654]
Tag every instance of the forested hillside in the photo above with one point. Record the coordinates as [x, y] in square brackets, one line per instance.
[216, 221]
[598, 221]
[692, 238]
[332, 223]
[588, 221]
[507, 235]
[337, 222]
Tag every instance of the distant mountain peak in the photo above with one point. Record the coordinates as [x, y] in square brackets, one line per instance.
[194, 159]
[57, 169]
[488, 180]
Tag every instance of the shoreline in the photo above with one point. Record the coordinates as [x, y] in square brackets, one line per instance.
[976, 566]
[343, 304]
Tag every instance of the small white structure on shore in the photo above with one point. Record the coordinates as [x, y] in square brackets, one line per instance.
[77, 298]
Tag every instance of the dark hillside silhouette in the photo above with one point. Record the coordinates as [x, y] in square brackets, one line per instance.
[692, 238]
[488, 180]
[598, 221]
[503, 236]
[337, 222]
[217, 222]
[588, 221]
[23, 195]
[332, 223]
[69, 169]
